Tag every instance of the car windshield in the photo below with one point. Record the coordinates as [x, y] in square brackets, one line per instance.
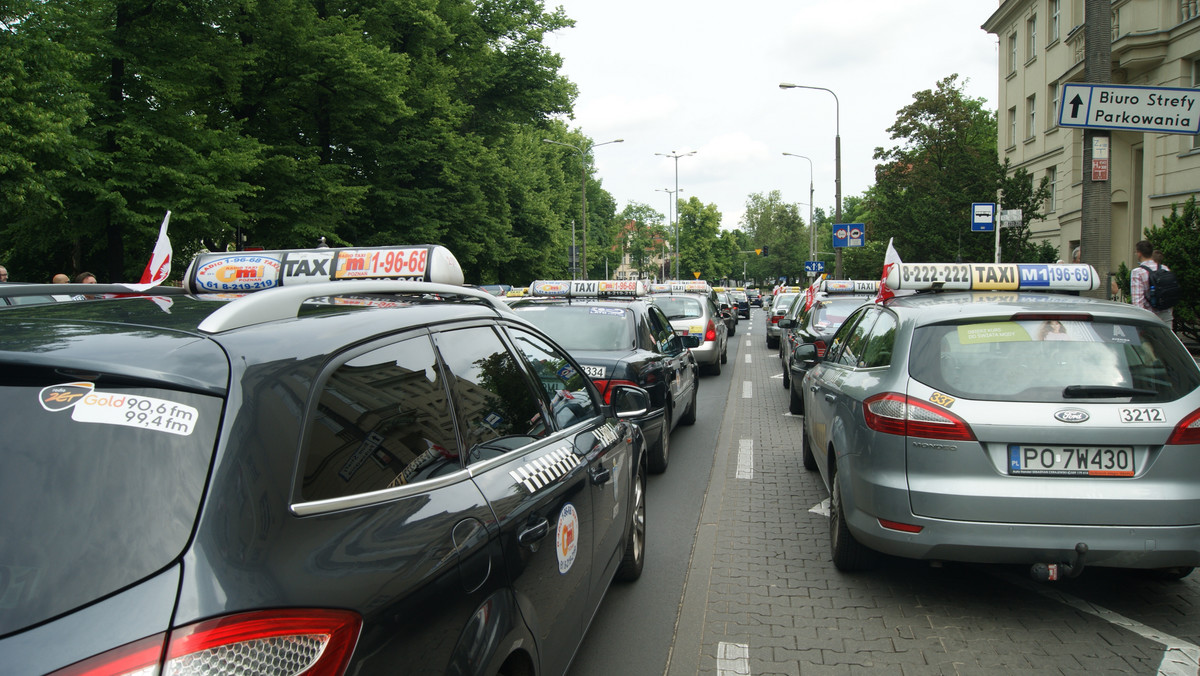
[830, 314]
[109, 473]
[583, 327]
[679, 307]
[1052, 360]
[782, 301]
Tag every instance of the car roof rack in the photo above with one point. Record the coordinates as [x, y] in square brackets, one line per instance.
[285, 303]
[74, 291]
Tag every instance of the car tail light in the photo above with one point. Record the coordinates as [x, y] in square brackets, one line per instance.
[893, 413]
[1188, 430]
[273, 642]
[821, 347]
[605, 387]
[711, 332]
[775, 318]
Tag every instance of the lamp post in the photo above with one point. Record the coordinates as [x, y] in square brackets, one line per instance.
[676, 156]
[812, 230]
[837, 164]
[583, 153]
[670, 211]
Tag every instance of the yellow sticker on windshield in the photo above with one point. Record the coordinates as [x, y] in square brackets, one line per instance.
[992, 332]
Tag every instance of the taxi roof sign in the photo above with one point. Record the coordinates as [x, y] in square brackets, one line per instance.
[587, 288]
[244, 271]
[993, 277]
[848, 285]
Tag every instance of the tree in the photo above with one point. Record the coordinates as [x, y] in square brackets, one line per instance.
[1179, 240]
[699, 225]
[642, 238]
[772, 223]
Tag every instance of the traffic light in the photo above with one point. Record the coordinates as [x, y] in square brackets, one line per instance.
[765, 250]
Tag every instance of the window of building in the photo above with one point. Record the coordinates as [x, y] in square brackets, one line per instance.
[1031, 33]
[1052, 184]
[1052, 109]
[1030, 116]
[1012, 53]
[1012, 126]
[1188, 9]
[1055, 16]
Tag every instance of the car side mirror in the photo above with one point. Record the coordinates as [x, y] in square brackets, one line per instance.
[786, 323]
[629, 401]
[805, 352]
[692, 341]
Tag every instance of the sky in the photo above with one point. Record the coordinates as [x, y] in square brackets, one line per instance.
[675, 76]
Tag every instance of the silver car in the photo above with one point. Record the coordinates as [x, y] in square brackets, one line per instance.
[779, 307]
[1016, 427]
[694, 314]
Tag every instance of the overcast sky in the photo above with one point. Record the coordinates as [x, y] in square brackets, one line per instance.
[677, 76]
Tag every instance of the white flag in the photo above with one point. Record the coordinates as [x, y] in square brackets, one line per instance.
[159, 267]
[890, 259]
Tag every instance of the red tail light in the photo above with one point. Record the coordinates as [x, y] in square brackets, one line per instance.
[1188, 430]
[775, 318]
[277, 642]
[711, 332]
[605, 387]
[893, 413]
[821, 347]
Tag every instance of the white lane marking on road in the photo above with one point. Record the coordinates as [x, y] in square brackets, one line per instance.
[748, 343]
[745, 468]
[748, 359]
[733, 659]
[821, 508]
[777, 376]
[1179, 657]
[792, 415]
[747, 389]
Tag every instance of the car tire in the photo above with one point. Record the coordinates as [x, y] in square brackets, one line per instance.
[796, 407]
[772, 343]
[725, 353]
[733, 329]
[660, 455]
[849, 555]
[787, 378]
[713, 369]
[806, 453]
[634, 558]
[689, 416]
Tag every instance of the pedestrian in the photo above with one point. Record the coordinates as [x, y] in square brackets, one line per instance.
[85, 278]
[1075, 256]
[1139, 278]
[60, 278]
[3, 274]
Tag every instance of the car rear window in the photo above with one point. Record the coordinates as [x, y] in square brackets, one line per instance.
[1053, 360]
[830, 314]
[583, 327]
[679, 307]
[100, 483]
[782, 301]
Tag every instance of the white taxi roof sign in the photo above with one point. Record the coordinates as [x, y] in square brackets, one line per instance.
[994, 276]
[244, 271]
[849, 285]
[681, 286]
[587, 288]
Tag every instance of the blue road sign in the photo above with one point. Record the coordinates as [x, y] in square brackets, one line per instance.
[849, 234]
[983, 216]
[814, 266]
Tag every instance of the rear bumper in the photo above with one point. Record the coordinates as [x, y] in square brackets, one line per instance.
[707, 353]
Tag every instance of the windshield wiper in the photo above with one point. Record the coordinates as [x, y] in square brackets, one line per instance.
[1101, 391]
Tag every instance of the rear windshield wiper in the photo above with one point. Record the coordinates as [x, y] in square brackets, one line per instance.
[1101, 391]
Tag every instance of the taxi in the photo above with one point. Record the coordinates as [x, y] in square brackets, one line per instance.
[621, 338]
[988, 418]
[812, 318]
[319, 461]
[780, 301]
[694, 310]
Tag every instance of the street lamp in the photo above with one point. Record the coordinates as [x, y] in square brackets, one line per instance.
[676, 156]
[670, 209]
[837, 163]
[583, 153]
[812, 230]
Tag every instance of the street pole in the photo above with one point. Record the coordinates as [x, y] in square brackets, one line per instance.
[676, 155]
[1095, 232]
[837, 164]
[812, 230]
[583, 151]
[670, 210]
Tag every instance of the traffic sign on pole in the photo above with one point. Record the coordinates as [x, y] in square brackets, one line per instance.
[849, 234]
[983, 216]
[814, 267]
[1166, 110]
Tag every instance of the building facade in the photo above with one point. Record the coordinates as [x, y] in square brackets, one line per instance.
[1155, 43]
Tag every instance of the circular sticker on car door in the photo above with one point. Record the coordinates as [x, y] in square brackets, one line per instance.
[567, 538]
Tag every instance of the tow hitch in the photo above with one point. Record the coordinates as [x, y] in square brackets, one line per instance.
[1049, 572]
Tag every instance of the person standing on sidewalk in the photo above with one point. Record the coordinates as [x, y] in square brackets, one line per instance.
[1139, 279]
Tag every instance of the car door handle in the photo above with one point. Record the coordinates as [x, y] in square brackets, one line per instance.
[830, 397]
[600, 475]
[533, 533]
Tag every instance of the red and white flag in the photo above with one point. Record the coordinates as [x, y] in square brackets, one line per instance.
[159, 267]
[891, 259]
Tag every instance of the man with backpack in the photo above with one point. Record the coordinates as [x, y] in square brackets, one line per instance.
[1152, 285]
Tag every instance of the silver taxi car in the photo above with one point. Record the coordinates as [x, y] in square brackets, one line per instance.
[779, 307]
[986, 420]
[692, 310]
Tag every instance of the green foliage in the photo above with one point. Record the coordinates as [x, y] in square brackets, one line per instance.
[771, 222]
[699, 225]
[1178, 238]
[642, 238]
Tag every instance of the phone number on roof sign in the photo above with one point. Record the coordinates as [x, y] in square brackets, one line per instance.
[992, 276]
[382, 263]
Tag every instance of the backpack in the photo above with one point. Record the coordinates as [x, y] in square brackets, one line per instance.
[1162, 290]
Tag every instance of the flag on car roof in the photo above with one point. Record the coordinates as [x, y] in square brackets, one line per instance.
[890, 259]
[159, 267]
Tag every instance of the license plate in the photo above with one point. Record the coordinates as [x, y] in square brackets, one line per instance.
[594, 371]
[1070, 460]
